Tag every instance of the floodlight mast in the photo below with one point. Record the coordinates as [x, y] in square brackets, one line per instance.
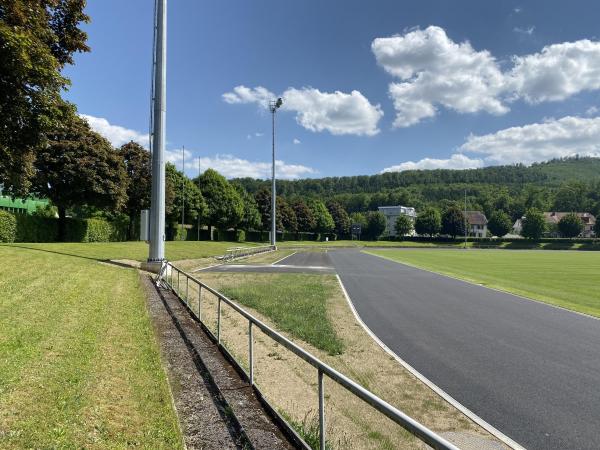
[159, 114]
[274, 105]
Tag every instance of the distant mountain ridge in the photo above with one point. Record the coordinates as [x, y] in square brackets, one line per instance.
[550, 174]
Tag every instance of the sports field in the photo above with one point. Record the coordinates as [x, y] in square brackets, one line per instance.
[563, 278]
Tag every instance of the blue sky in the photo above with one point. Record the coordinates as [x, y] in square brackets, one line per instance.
[368, 85]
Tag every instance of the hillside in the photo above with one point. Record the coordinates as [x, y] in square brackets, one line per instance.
[547, 174]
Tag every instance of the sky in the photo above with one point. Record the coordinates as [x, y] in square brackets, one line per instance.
[367, 86]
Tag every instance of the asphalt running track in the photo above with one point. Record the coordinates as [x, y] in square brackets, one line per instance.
[305, 262]
[529, 369]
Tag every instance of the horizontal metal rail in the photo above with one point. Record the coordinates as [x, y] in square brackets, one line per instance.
[409, 424]
[239, 252]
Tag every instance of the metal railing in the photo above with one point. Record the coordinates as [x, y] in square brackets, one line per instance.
[167, 276]
[239, 252]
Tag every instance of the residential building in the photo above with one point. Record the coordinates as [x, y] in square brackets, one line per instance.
[553, 217]
[392, 213]
[477, 224]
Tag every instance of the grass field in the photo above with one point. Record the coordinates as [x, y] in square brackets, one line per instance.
[566, 278]
[138, 251]
[297, 303]
[80, 367]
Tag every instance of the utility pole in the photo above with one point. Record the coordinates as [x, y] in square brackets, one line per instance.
[198, 215]
[159, 115]
[273, 107]
[466, 225]
[182, 192]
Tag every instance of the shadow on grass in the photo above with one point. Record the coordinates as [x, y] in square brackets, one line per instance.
[57, 253]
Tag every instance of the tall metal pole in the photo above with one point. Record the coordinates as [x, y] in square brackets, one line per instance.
[198, 221]
[273, 189]
[157, 209]
[182, 191]
[466, 223]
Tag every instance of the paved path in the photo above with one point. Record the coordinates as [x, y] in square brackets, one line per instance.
[306, 262]
[530, 370]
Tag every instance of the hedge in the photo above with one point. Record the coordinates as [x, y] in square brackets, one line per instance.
[8, 227]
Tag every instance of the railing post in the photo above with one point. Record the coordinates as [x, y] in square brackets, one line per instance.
[178, 282]
[199, 301]
[250, 353]
[321, 411]
[187, 288]
[219, 321]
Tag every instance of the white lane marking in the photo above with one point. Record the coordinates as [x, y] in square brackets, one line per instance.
[435, 388]
[285, 257]
[279, 266]
[522, 297]
[206, 268]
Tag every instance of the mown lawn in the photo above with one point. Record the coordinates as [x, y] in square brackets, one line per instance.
[138, 251]
[297, 303]
[79, 364]
[565, 278]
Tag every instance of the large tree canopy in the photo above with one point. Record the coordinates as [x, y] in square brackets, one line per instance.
[182, 195]
[37, 39]
[79, 167]
[225, 207]
[139, 180]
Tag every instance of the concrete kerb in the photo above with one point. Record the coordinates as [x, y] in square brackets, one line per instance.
[466, 411]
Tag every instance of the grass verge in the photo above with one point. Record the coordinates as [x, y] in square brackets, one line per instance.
[138, 251]
[80, 365]
[567, 279]
[295, 302]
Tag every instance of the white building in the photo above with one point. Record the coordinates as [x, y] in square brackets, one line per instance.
[392, 213]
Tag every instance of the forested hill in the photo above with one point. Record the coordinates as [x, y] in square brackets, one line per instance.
[547, 174]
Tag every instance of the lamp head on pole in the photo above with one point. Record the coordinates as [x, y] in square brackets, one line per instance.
[274, 105]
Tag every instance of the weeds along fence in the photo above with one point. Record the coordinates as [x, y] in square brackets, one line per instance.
[179, 282]
[239, 252]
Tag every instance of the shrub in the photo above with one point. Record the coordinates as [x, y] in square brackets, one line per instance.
[36, 228]
[534, 224]
[98, 230]
[8, 227]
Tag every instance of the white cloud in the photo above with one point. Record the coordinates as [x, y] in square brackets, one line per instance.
[527, 30]
[456, 161]
[557, 72]
[436, 71]
[591, 111]
[337, 112]
[243, 94]
[233, 167]
[116, 134]
[297, 141]
[257, 134]
[558, 138]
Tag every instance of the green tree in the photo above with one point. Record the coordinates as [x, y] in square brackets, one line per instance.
[499, 223]
[251, 217]
[428, 222]
[572, 196]
[404, 225]
[453, 222]
[37, 39]
[340, 217]
[534, 224]
[263, 201]
[375, 224]
[225, 207]
[304, 216]
[182, 195]
[570, 225]
[139, 181]
[79, 167]
[287, 215]
[597, 227]
[323, 220]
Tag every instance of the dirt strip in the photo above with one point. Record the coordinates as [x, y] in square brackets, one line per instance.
[216, 409]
